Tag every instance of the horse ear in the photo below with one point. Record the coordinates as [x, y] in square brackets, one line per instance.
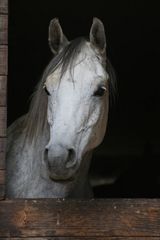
[97, 35]
[57, 40]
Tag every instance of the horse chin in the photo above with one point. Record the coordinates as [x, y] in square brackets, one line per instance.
[63, 174]
[62, 180]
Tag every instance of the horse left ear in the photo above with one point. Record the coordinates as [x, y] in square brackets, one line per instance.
[57, 40]
[97, 35]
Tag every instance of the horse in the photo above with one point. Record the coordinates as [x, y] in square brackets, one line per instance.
[49, 149]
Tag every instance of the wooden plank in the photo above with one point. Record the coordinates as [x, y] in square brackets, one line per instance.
[82, 238]
[3, 6]
[80, 218]
[3, 121]
[3, 29]
[3, 90]
[3, 60]
[2, 152]
[2, 167]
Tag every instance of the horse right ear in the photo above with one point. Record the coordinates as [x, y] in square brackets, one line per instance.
[57, 40]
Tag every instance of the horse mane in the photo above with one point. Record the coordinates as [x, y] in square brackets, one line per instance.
[36, 119]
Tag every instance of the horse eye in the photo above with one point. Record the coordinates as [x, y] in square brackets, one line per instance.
[46, 90]
[100, 92]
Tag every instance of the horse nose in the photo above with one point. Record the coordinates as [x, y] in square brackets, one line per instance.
[67, 156]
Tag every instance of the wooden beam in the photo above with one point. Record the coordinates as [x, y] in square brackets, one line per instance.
[3, 6]
[85, 238]
[3, 86]
[80, 218]
[3, 121]
[3, 90]
[2, 167]
[3, 60]
[2, 152]
[3, 29]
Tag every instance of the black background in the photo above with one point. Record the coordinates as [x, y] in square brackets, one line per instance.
[130, 153]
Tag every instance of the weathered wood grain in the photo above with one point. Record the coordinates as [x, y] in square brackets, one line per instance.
[77, 218]
[3, 83]
[85, 238]
[3, 6]
[2, 152]
[3, 90]
[3, 29]
[3, 121]
[3, 60]
[2, 167]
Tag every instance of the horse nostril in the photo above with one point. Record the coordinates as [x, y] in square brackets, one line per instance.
[46, 151]
[71, 158]
[71, 151]
[46, 155]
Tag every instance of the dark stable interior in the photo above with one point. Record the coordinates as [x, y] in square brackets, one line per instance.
[127, 162]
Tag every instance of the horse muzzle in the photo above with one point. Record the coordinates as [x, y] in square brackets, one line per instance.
[62, 163]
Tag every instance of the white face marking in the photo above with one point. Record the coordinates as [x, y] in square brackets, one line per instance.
[76, 117]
